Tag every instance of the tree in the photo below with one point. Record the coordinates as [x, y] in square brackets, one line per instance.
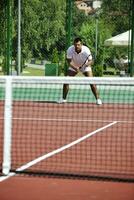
[55, 56]
[113, 19]
[2, 27]
[43, 26]
[116, 12]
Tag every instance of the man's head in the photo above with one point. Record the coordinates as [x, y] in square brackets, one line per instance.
[78, 44]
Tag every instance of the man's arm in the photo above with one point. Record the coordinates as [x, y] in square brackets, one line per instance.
[89, 60]
[69, 61]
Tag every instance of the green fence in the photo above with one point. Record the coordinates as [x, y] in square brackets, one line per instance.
[52, 69]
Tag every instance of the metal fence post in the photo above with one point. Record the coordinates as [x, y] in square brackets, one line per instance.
[132, 40]
[8, 9]
[69, 8]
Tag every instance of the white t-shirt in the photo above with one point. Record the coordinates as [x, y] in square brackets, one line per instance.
[78, 59]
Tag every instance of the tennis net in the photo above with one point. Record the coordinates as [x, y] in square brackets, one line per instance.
[77, 138]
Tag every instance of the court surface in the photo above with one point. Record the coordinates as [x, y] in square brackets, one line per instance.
[52, 188]
[25, 188]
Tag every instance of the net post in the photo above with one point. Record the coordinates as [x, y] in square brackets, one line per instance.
[7, 127]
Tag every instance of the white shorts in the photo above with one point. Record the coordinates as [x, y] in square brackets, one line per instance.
[83, 69]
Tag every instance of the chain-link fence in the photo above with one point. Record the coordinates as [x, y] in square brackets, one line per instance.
[102, 20]
[47, 28]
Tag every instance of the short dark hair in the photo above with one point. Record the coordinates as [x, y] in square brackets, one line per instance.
[77, 40]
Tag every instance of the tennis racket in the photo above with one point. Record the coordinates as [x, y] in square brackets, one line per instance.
[84, 62]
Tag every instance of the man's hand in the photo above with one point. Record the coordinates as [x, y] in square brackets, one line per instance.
[71, 65]
[75, 68]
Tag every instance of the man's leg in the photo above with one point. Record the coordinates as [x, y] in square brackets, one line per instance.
[65, 90]
[93, 87]
[66, 86]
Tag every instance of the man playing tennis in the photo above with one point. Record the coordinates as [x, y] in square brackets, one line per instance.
[79, 58]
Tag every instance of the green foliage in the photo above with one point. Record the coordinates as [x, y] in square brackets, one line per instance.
[117, 13]
[42, 27]
[2, 27]
[112, 19]
[79, 18]
[98, 70]
[88, 33]
[55, 56]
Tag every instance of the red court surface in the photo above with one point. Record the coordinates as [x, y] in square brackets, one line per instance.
[25, 188]
[41, 128]
[90, 118]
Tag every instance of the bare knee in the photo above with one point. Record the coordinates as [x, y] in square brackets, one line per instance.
[88, 74]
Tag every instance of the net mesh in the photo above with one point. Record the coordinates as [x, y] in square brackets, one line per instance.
[77, 138]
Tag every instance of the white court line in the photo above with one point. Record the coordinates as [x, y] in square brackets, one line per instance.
[3, 178]
[68, 120]
[56, 151]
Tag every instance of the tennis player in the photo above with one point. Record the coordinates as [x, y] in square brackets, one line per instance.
[79, 58]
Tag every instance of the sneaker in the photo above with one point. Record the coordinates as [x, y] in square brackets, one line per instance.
[62, 101]
[98, 102]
